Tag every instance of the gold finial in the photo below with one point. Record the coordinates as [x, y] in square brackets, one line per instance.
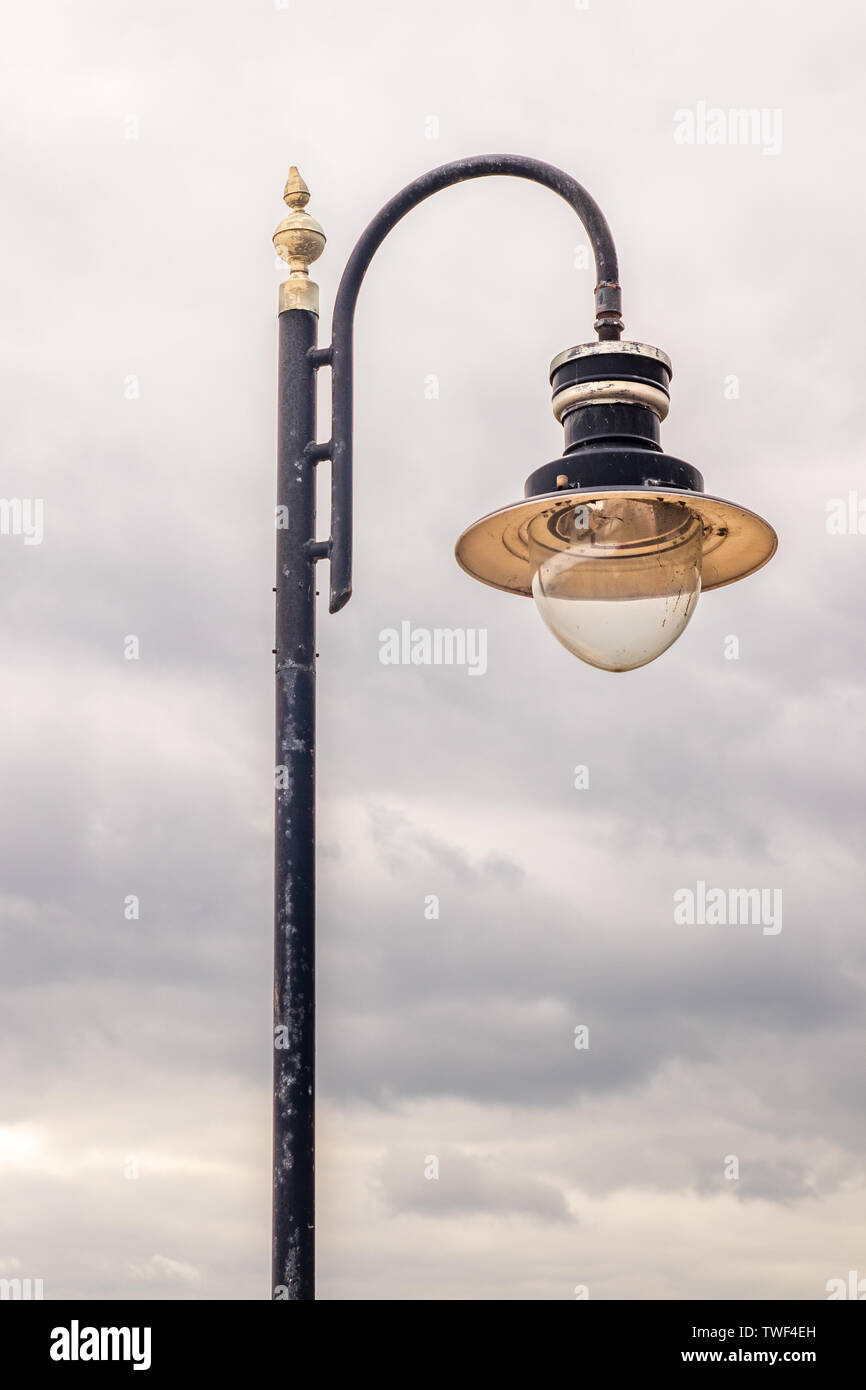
[299, 240]
[296, 193]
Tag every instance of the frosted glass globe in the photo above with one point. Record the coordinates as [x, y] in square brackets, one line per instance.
[626, 582]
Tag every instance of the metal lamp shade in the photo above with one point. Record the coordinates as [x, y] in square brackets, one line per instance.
[501, 549]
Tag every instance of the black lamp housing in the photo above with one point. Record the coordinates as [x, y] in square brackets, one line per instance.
[611, 399]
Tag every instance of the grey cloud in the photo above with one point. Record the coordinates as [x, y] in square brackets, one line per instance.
[466, 1184]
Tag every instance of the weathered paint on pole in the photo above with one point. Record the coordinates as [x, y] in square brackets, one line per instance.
[295, 887]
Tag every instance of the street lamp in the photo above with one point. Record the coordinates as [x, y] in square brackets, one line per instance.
[614, 540]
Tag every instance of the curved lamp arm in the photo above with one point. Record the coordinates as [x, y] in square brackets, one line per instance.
[608, 320]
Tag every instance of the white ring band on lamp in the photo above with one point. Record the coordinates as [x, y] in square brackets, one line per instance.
[619, 392]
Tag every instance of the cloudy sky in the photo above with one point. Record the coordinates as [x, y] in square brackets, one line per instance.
[144, 154]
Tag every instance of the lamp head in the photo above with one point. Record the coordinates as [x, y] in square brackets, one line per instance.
[616, 539]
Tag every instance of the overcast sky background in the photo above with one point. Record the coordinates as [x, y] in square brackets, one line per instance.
[150, 1040]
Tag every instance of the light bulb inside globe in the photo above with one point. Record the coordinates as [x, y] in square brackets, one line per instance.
[616, 579]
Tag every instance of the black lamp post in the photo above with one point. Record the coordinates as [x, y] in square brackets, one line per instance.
[614, 540]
